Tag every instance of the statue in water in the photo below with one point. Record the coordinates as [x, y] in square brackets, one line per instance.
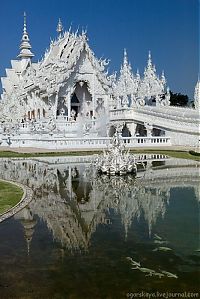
[116, 160]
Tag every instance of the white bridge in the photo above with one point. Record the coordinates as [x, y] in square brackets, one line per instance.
[182, 125]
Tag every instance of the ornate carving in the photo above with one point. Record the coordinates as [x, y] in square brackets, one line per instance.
[116, 160]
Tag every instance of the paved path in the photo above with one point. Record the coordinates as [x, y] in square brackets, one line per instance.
[26, 198]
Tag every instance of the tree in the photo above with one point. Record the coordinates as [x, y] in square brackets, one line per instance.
[178, 99]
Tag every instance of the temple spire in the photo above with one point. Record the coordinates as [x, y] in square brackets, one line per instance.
[149, 63]
[150, 70]
[163, 79]
[25, 46]
[59, 27]
[125, 58]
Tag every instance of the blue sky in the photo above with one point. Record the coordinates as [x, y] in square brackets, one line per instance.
[169, 28]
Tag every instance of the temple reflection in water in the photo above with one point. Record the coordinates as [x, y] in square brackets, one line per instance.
[73, 201]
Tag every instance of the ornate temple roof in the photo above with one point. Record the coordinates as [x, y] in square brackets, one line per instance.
[127, 83]
[68, 55]
[54, 69]
[151, 85]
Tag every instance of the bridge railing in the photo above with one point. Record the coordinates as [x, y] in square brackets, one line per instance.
[170, 114]
[55, 142]
[147, 141]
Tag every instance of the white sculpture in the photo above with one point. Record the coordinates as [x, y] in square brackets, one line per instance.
[116, 160]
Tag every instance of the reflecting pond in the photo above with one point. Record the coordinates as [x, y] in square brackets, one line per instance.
[89, 236]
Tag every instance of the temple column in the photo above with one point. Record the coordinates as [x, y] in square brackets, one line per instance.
[149, 164]
[56, 105]
[69, 104]
[149, 128]
[93, 95]
[132, 128]
[119, 127]
[107, 130]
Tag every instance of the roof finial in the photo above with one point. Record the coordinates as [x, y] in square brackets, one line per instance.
[138, 74]
[149, 59]
[163, 77]
[125, 57]
[25, 22]
[149, 54]
[25, 47]
[59, 27]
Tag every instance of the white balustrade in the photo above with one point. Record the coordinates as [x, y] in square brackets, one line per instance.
[184, 120]
[54, 142]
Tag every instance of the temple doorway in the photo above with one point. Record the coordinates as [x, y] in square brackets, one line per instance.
[81, 100]
[75, 106]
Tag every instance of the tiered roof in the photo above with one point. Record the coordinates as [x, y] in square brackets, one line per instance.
[52, 72]
[62, 59]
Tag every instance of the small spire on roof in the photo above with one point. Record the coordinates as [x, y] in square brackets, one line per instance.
[25, 23]
[59, 27]
[125, 57]
[25, 46]
[149, 59]
[138, 74]
[163, 79]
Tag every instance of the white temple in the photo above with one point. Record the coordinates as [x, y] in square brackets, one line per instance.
[68, 97]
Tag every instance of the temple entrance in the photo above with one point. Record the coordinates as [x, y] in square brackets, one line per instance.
[81, 100]
[75, 106]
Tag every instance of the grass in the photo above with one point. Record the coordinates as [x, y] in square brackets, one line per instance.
[10, 154]
[10, 195]
[175, 153]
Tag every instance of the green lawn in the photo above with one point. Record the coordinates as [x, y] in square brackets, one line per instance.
[10, 195]
[10, 154]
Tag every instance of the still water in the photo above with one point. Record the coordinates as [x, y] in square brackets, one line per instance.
[73, 239]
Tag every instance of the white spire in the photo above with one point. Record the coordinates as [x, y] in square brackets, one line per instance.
[138, 74]
[125, 58]
[150, 70]
[126, 70]
[126, 84]
[163, 79]
[149, 63]
[59, 27]
[25, 47]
